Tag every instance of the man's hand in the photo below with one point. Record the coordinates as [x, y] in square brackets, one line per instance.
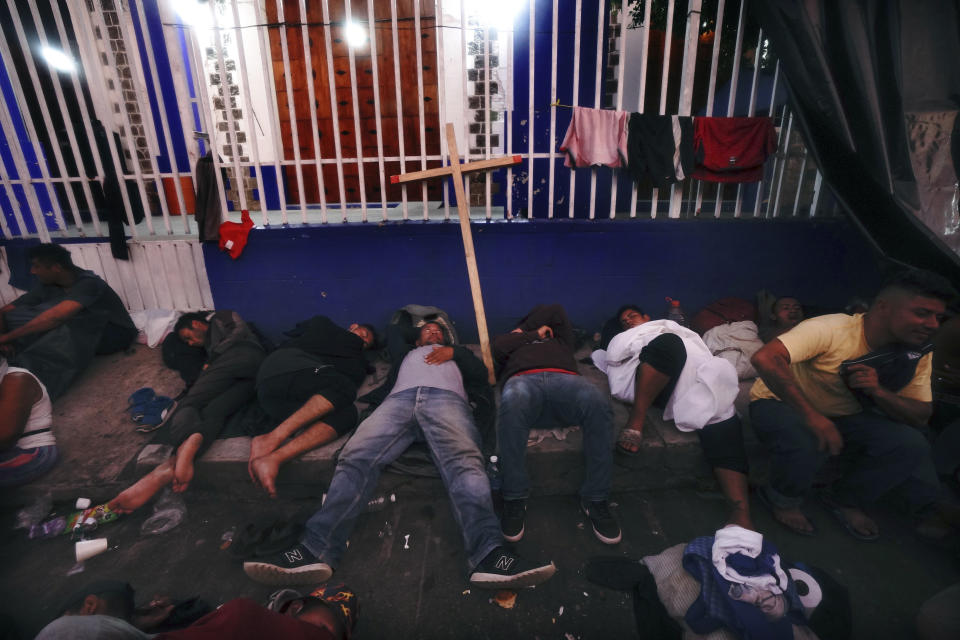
[439, 355]
[545, 332]
[828, 438]
[864, 378]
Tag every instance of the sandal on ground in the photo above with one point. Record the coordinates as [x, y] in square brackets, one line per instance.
[836, 510]
[140, 396]
[762, 498]
[627, 437]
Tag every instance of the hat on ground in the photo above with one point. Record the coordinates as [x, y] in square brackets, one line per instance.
[338, 597]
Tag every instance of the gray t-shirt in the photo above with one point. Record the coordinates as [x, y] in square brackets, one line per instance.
[414, 372]
[91, 628]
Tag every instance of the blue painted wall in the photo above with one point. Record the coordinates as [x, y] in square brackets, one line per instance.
[363, 272]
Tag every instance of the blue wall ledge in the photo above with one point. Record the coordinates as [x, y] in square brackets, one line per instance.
[363, 272]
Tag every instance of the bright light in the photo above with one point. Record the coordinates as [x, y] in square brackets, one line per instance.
[356, 36]
[193, 13]
[58, 59]
[496, 14]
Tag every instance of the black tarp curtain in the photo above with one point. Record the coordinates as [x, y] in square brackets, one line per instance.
[871, 83]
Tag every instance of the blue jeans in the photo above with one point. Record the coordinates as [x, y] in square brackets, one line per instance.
[879, 456]
[442, 419]
[546, 400]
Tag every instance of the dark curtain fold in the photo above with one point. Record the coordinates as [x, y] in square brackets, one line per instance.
[847, 65]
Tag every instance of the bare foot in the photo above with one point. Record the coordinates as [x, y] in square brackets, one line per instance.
[137, 494]
[858, 521]
[795, 520]
[260, 446]
[183, 469]
[264, 471]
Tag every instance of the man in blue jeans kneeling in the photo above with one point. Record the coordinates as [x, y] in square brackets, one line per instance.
[541, 387]
[427, 403]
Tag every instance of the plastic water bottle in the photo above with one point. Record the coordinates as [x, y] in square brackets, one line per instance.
[168, 511]
[675, 312]
[493, 472]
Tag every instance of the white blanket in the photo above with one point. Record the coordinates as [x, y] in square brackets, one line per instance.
[735, 342]
[705, 390]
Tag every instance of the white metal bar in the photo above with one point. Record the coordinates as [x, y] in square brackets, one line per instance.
[664, 82]
[29, 192]
[292, 111]
[508, 124]
[619, 106]
[27, 118]
[531, 55]
[164, 123]
[576, 92]
[396, 78]
[597, 103]
[643, 89]
[356, 116]
[486, 110]
[771, 110]
[715, 57]
[204, 110]
[238, 171]
[312, 99]
[803, 167]
[273, 109]
[553, 109]
[146, 120]
[252, 139]
[334, 109]
[687, 73]
[776, 160]
[783, 168]
[732, 98]
[71, 135]
[464, 21]
[423, 126]
[11, 192]
[817, 186]
[751, 109]
[128, 139]
[82, 104]
[372, 28]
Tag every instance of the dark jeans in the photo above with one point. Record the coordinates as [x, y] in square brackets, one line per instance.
[879, 456]
[222, 389]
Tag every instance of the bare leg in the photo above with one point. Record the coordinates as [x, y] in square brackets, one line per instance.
[735, 488]
[649, 383]
[183, 468]
[793, 518]
[264, 469]
[311, 411]
[137, 494]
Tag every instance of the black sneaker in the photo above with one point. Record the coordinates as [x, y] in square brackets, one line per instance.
[502, 569]
[511, 523]
[605, 526]
[296, 565]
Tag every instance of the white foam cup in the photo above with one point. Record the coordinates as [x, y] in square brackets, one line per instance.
[86, 549]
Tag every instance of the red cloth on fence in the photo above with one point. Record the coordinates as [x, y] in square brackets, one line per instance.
[732, 149]
[233, 235]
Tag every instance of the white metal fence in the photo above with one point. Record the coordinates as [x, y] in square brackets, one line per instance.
[265, 84]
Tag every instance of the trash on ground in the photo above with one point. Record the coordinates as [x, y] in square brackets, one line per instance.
[506, 599]
[465, 592]
[168, 512]
[34, 513]
[83, 503]
[406, 541]
[560, 613]
[86, 549]
[75, 569]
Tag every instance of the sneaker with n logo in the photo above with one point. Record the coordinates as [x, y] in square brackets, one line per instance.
[502, 569]
[296, 565]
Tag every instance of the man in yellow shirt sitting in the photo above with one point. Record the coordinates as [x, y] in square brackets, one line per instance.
[857, 387]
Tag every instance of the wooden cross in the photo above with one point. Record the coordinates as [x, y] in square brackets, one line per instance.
[457, 170]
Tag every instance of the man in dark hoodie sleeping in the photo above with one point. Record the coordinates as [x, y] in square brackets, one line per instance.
[542, 388]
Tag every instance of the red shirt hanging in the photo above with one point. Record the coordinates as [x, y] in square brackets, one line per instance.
[732, 149]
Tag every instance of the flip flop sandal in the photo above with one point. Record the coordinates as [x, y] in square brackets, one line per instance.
[771, 509]
[141, 396]
[629, 436]
[837, 512]
[155, 416]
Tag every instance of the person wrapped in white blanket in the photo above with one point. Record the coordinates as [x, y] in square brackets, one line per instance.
[660, 363]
